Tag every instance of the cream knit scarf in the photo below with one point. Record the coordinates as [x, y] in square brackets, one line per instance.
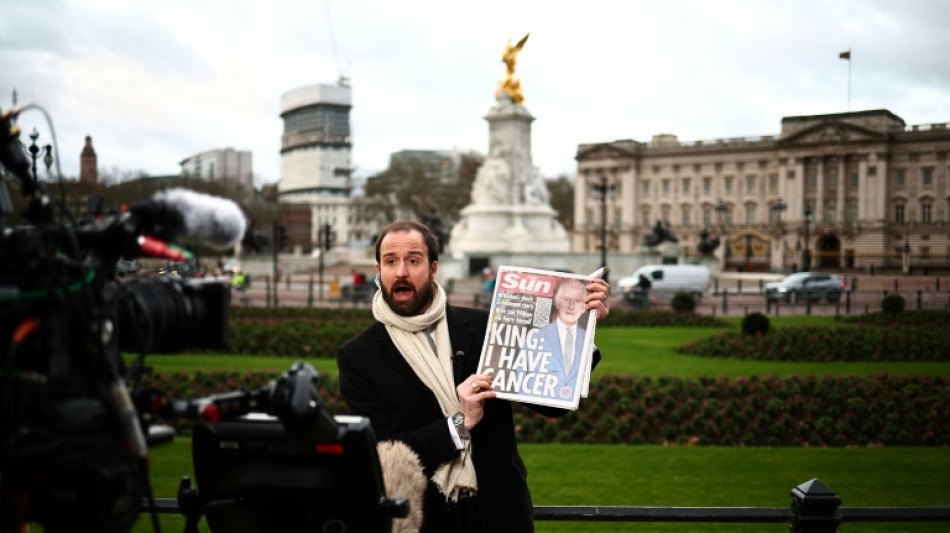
[408, 334]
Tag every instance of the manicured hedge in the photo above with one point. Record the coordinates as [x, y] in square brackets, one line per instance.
[291, 337]
[828, 343]
[628, 318]
[907, 318]
[831, 411]
[294, 331]
[320, 314]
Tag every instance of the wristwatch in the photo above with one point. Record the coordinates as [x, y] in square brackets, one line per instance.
[458, 419]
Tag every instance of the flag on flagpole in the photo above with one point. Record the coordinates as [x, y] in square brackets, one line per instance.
[845, 55]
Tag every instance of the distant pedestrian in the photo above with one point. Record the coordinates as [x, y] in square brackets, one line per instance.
[643, 287]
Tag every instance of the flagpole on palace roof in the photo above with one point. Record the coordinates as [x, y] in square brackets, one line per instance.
[847, 55]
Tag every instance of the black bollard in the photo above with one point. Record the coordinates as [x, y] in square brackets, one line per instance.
[817, 508]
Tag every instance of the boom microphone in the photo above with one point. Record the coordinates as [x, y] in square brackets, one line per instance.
[217, 222]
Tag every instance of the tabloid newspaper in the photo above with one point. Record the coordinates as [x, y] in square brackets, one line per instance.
[534, 314]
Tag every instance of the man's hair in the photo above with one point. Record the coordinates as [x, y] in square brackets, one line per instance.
[432, 242]
[566, 282]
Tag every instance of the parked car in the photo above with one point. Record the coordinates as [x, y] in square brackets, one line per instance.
[805, 286]
[667, 280]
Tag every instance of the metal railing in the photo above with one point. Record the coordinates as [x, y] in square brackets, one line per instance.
[815, 508]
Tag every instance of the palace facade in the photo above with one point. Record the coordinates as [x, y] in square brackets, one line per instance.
[843, 191]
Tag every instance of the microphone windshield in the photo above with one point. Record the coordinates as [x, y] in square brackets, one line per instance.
[217, 222]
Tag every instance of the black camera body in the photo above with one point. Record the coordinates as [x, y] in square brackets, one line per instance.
[253, 478]
[72, 446]
[72, 434]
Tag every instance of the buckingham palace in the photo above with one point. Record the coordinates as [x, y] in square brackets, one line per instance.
[858, 190]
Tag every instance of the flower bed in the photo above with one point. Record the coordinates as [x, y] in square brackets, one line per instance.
[825, 344]
[832, 411]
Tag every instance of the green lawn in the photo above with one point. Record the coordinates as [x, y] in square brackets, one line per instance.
[205, 362]
[616, 475]
[611, 475]
[652, 351]
[732, 477]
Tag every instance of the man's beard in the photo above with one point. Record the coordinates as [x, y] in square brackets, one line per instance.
[420, 298]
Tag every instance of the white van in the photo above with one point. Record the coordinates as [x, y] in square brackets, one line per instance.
[668, 280]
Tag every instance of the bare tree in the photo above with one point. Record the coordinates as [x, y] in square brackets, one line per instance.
[562, 199]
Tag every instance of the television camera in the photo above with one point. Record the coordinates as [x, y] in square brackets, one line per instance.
[73, 426]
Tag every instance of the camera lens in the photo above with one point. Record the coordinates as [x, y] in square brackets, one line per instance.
[169, 314]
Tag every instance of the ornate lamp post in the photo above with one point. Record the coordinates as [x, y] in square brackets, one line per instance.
[906, 265]
[600, 192]
[34, 151]
[806, 260]
[48, 158]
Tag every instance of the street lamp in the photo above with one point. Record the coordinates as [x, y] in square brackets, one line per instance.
[906, 265]
[806, 260]
[600, 191]
[48, 158]
[34, 151]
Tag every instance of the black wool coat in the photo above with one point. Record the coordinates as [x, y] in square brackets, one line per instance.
[377, 383]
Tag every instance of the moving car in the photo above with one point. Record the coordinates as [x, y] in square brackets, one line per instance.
[667, 280]
[805, 286]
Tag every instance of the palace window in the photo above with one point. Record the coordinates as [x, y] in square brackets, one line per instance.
[645, 217]
[666, 214]
[831, 182]
[685, 210]
[773, 183]
[646, 187]
[750, 184]
[750, 214]
[728, 184]
[926, 177]
[831, 213]
[707, 215]
[686, 185]
[707, 185]
[899, 177]
[666, 187]
[852, 212]
[925, 212]
[899, 213]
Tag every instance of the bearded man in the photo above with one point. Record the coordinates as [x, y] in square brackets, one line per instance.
[412, 373]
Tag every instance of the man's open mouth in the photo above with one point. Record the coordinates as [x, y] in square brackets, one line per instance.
[402, 292]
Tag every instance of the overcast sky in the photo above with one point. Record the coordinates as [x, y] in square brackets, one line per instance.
[156, 81]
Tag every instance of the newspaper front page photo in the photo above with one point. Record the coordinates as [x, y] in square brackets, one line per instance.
[540, 337]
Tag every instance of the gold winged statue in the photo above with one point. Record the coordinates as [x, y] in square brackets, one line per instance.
[511, 85]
